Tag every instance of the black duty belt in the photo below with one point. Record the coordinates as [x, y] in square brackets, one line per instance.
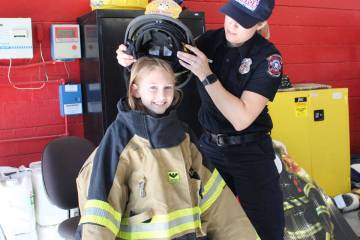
[227, 139]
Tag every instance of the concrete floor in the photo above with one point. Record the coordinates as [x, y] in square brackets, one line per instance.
[354, 221]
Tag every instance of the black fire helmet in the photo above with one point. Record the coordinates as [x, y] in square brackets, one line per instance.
[159, 36]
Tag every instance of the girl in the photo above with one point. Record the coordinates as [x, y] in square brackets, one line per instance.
[146, 180]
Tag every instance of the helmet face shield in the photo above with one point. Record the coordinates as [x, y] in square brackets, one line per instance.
[157, 43]
[160, 36]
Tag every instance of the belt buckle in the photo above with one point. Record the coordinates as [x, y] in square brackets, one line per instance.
[220, 140]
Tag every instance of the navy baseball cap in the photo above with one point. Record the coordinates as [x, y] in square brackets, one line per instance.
[248, 12]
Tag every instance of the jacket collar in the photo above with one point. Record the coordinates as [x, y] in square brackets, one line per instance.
[162, 131]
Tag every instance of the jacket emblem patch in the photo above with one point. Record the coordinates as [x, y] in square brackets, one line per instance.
[245, 66]
[173, 177]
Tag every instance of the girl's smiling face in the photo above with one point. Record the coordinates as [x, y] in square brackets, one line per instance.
[156, 90]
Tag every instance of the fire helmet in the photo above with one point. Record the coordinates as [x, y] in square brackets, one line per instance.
[160, 36]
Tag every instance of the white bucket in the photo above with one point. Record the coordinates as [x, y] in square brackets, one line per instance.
[46, 213]
[16, 202]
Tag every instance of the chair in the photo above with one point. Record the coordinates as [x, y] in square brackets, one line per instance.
[61, 162]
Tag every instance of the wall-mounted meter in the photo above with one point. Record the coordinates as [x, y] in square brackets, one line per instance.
[15, 38]
[70, 99]
[65, 41]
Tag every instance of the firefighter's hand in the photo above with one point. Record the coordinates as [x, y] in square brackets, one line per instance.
[123, 58]
[197, 62]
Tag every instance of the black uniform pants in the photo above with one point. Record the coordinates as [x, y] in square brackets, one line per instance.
[250, 172]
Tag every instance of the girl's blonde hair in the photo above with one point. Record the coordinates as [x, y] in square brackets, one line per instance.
[140, 70]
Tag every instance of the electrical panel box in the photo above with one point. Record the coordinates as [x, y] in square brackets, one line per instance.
[314, 126]
[70, 99]
[93, 92]
[15, 38]
[65, 41]
[91, 48]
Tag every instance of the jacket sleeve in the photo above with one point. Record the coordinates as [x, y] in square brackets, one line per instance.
[322, 211]
[222, 217]
[102, 193]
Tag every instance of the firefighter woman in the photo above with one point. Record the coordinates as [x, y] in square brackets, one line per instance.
[146, 179]
[238, 73]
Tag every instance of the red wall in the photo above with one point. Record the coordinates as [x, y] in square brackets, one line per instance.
[30, 118]
[319, 40]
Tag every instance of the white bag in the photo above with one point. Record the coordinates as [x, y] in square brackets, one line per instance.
[16, 201]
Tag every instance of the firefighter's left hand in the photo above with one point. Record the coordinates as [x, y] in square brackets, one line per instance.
[196, 62]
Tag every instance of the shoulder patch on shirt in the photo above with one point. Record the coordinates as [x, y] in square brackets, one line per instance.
[274, 65]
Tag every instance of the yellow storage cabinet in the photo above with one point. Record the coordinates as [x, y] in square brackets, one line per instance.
[314, 126]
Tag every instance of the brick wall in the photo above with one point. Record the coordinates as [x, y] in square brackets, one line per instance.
[30, 118]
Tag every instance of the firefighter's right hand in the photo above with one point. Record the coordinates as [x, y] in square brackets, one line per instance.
[124, 58]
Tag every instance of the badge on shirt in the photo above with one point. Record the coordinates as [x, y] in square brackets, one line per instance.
[245, 66]
[274, 65]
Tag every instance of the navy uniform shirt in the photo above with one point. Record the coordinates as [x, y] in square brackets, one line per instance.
[255, 66]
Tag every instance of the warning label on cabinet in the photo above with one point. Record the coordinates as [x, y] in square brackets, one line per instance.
[301, 107]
